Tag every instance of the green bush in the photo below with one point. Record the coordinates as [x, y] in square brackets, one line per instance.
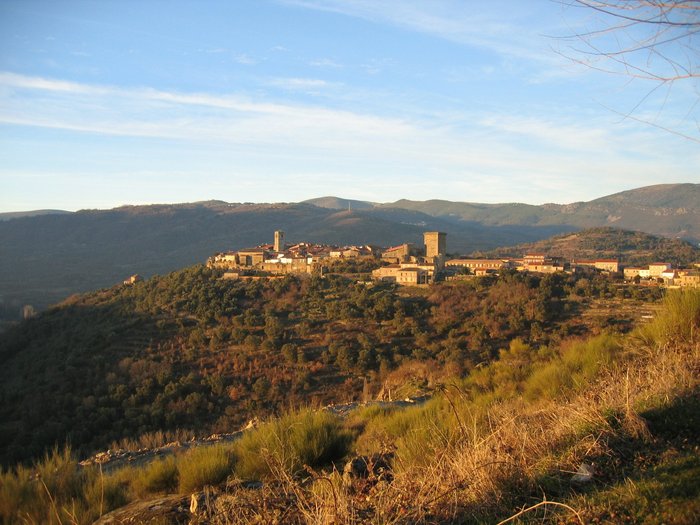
[291, 442]
[160, 475]
[577, 365]
[104, 493]
[17, 492]
[204, 466]
[677, 322]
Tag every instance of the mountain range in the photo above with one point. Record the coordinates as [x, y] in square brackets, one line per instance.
[51, 254]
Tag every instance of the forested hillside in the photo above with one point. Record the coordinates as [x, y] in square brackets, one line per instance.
[599, 429]
[192, 351]
[668, 210]
[46, 258]
[631, 248]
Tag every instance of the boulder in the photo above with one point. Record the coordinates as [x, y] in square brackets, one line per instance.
[374, 467]
[173, 509]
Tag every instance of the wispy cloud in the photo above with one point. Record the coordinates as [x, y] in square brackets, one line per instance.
[303, 84]
[554, 134]
[325, 62]
[457, 21]
[513, 155]
[244, 59]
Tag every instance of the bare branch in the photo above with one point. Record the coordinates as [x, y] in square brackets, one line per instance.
[645, 40]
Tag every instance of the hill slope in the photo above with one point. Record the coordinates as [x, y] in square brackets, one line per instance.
[46, 258]
[669, 210]
[601, 429]
[190, 350]
[630, 248]
[20, 214]
[336, 203]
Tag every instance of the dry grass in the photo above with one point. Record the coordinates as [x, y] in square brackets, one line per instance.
[470, 455]
[517, 451]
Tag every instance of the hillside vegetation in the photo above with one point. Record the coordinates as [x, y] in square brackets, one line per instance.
[192, 351]
[46, 258]
[668, 210]
[631, 248]
[602, 429]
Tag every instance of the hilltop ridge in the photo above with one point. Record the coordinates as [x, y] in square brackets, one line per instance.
[46, 258]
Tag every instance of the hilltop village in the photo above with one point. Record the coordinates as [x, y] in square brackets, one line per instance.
[408, 264]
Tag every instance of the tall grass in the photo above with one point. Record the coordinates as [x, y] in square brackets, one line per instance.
[204, 466]
[160, 475]
[56, 490]
[576, 367]
[17, 492]
[291, 442]
[676, 323]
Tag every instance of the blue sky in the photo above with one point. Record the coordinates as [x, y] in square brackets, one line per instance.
[104, 103]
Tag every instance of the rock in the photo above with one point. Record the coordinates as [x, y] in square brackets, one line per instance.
[375, 467]
[253, 423]
[584, 474]
[165, 509]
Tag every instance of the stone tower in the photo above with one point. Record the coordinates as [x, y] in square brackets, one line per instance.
[435, 244]
[279, 241]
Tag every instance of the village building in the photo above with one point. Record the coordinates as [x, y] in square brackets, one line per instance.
[603, 265]
[133, 279]
[406, 252]
[688, 279]
[656, 269]
[279, 244]
[406, 273]
[540, 263]
[632, 272]
[435, 248]
[479, 264]
[353, 252]
[412, 276]
[669, 277]
[483, 272]
[386, 273]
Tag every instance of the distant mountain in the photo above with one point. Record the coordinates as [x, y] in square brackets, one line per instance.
[46, 257]
[630, 248]
[669, 210]
[20, 214]
[336, 203]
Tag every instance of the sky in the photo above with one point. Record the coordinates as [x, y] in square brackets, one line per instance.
[105, 103]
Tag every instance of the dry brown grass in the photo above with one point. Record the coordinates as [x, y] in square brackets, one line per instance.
[495, 473]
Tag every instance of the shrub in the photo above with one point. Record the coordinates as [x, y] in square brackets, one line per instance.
[291, 442]
[44, 493]
[160, 475]
[577, 365]
[104, 493]
[677, 322]
[204, 466]
[17, 491]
